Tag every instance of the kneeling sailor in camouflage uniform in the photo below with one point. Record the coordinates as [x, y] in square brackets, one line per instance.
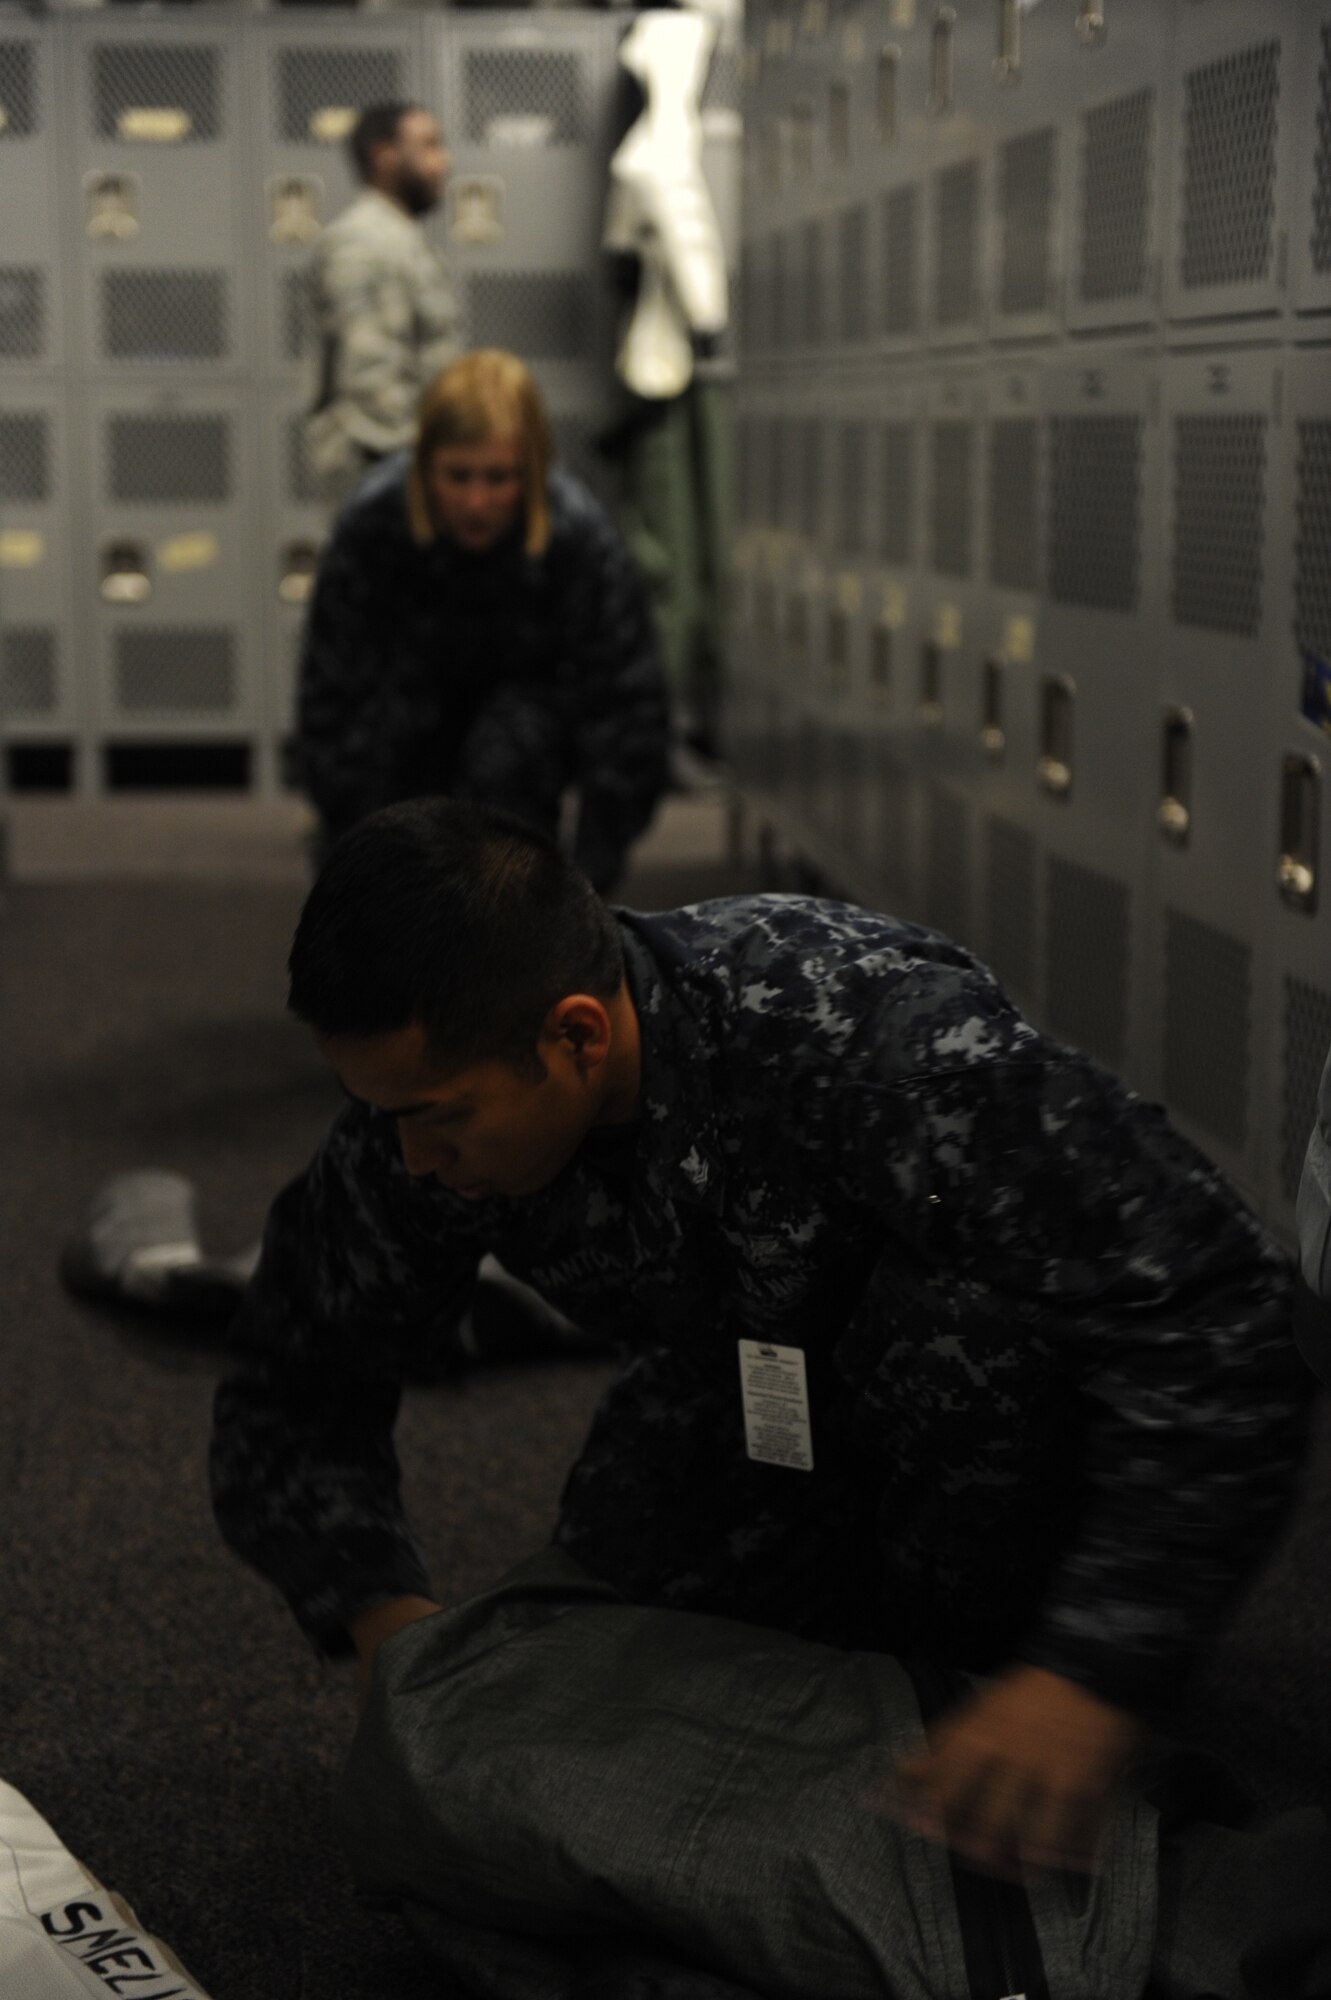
[937, 1340]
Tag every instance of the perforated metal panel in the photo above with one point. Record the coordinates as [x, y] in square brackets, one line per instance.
[1010, 887]
[23, 329]
[1117, 168]
[25, 456]
[298, 322]
[1312, 541]
[175, 670]
[162, 458]
[311, 81]
[1219, 512]
[1307, 1037]
[950, 508]
[956, 243]
[1320, 241]
[128, 79]
[1026, 198]
[901, 261]
[544, 316]
[896, 491]
[1014, 487]
[301, 486]
[1095, 509]
[854, 245]
[1089, 934]
[28, 684]
[546, 84]
[947, 862]
[159, 315]
[852, 486]
[18, 91]
[1229, 167]
[722, 89]
[1208, 1027]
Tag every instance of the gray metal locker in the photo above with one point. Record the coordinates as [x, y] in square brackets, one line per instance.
[32, 329]
[40, 671]
[1310, 228]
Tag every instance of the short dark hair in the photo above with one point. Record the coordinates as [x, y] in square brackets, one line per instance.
[463, 919]
[377, 126]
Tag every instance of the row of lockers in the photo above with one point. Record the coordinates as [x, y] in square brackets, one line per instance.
[909, 182]
[163, 181]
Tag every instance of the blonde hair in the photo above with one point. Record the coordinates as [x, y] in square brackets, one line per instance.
[484, 395]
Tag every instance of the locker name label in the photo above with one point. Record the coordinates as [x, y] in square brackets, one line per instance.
[22, 548]
[186, 552]
[1019, 640]
[332, 122]
[155, 124]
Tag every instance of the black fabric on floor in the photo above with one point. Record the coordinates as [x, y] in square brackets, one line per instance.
[156, 1702]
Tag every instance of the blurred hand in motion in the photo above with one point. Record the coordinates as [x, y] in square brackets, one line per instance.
[370, 1628]
[1021, 1776]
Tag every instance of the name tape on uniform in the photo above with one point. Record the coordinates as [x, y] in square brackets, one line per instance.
[776, 1405]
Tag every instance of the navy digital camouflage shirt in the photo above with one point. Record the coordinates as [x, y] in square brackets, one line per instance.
[1056, 1407]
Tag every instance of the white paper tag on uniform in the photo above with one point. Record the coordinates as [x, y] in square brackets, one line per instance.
[776, 1405]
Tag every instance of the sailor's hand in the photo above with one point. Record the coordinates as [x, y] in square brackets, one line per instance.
[1020, 1776]
[370, 1628]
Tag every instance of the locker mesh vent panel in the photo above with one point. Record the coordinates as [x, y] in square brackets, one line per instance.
[898, 471]
[311, 80]
[525, 83]
[164, 315]
[1312, 543]
[302, 488]
[1116, 198]
[543, 318]
[812, 512]
[901, 260]
[855, 274]
[950, 516]
[853, 487]
[176, 669]
[1321, 236]
[157, 76]
[169, 458]
[18, 90]
[814, 285]
[1095, 511]
[722, 90]
[947, 886]
[22, 311]
[1208, 1021]
[25, 464]
[1028, 213]
[1219, 493]
[1229, 167]
[576, 451]
[27, 671]
[956, 243]
[1307, 1038]
[1011, 896]
[1014, 479]
[297, 313]
[1088, 937]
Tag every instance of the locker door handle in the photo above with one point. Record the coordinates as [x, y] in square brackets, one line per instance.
[1054, 767]
[1091, 22]
[943, 53]
[1174, 817]
[297, 566]
[880, 666]
[931, 683]
[889, 64]
[1300, 813]
[993, 735]
[125, 574]
[294, 201]
[1007, 62]
[111, 207]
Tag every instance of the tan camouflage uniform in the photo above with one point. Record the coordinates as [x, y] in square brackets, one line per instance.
[386, 322]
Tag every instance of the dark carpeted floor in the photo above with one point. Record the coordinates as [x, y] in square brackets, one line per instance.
[157, 1703]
